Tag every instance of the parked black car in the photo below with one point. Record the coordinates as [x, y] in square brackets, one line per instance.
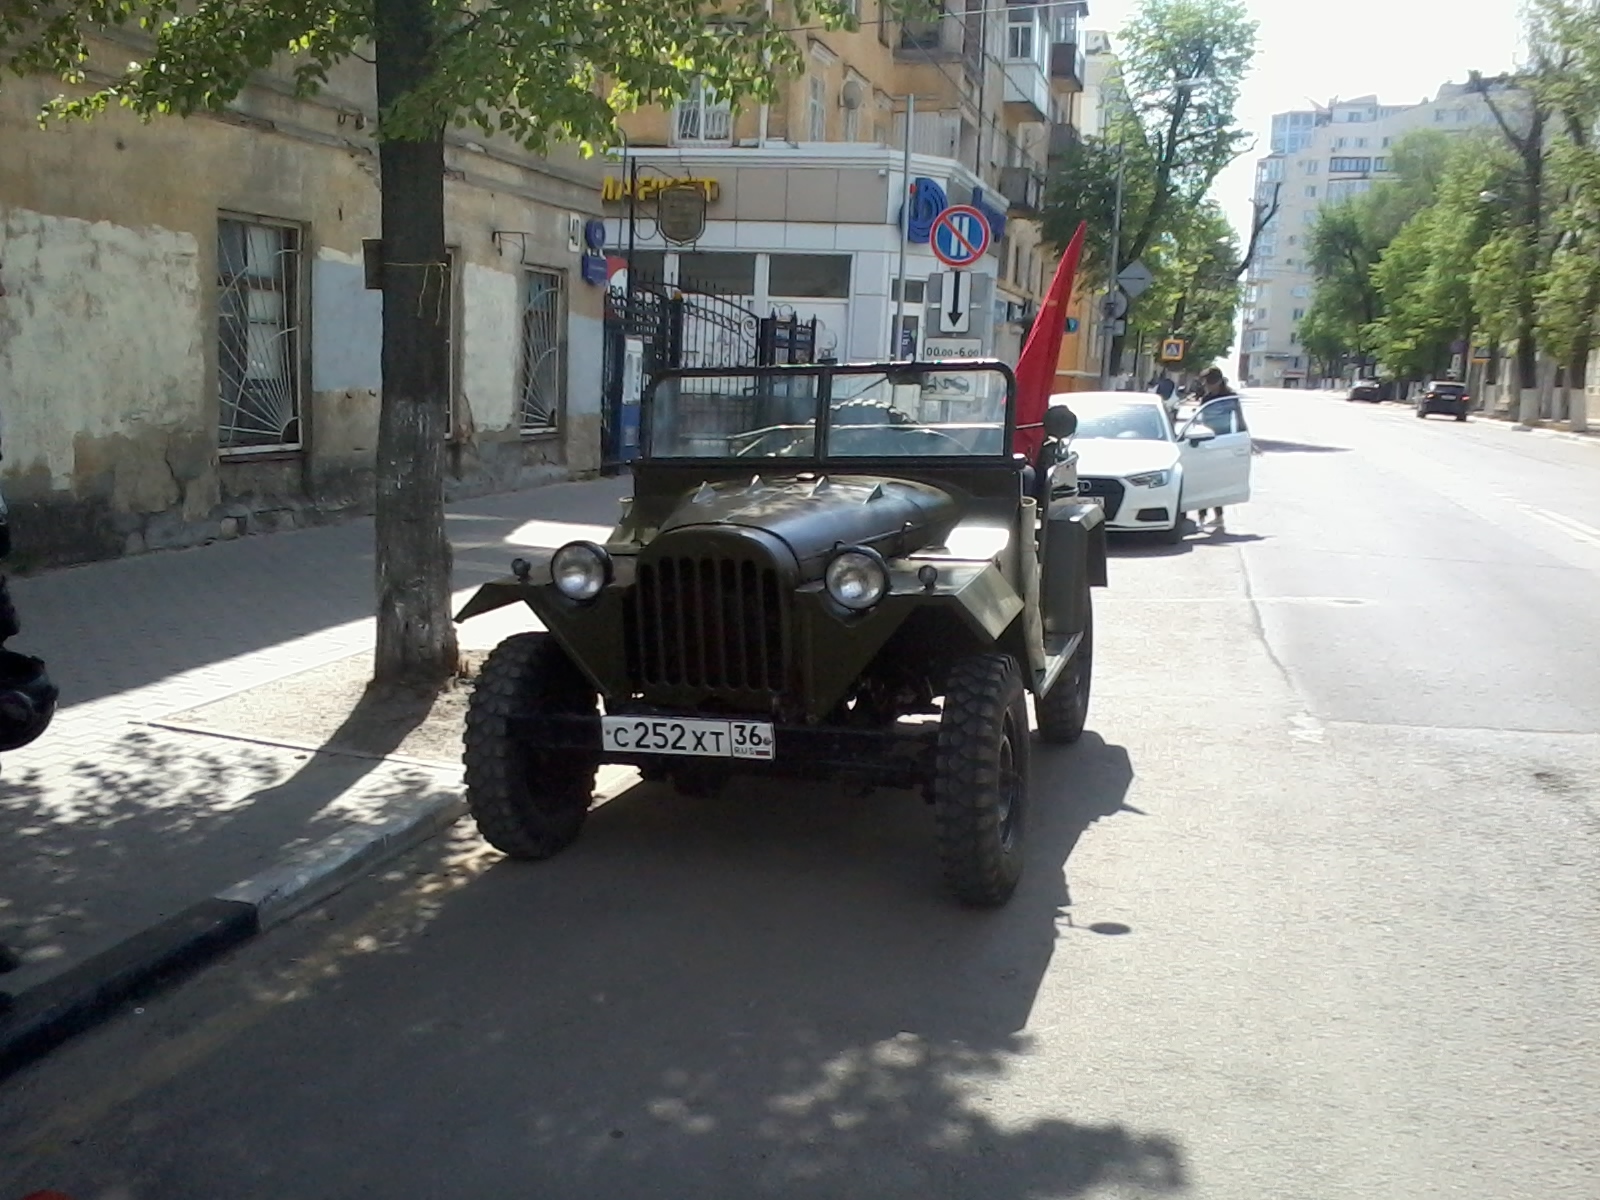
[1443, 396]
[1368, 390]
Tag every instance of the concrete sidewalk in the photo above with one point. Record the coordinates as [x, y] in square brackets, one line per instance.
[207, 737]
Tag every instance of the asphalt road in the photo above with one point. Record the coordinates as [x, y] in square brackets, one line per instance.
[1312, 913]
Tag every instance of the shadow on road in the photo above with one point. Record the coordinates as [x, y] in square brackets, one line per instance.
[762, 994]
[1270, 446]
[160, 819]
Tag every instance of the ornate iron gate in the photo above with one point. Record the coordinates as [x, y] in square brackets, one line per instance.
[681, 326]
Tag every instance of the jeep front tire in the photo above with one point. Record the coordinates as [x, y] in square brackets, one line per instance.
[527, 804]
[980, 787]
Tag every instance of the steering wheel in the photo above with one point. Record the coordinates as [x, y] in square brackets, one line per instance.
[863, 440]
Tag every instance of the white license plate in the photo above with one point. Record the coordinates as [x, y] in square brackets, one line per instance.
[691, 737]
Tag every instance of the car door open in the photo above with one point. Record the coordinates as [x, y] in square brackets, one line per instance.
[1216, 463]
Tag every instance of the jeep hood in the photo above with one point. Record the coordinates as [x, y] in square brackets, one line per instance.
[814, 515]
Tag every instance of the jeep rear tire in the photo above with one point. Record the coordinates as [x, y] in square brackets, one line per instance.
[527, 804]
[980, 787]
[1063, 711]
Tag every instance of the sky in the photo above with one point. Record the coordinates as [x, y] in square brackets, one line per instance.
[1315, 52]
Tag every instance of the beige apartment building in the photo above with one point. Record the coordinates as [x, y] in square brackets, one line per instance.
[1321, 156]
[189, 350]
[805, 194]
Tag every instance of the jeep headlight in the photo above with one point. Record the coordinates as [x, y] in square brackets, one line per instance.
[1150, 479]
[579, 570]
[857, 578]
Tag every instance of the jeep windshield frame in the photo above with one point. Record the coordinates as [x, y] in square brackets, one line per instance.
[817, 436]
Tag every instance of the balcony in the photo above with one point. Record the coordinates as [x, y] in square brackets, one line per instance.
[937, 41]
[1067, 68]
[1023, 187]
[1063, 140]
[1027, 94]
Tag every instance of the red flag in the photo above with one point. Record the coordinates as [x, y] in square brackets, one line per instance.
[1036, 365]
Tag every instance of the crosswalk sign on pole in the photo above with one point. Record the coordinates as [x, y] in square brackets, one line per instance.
[1172, 350]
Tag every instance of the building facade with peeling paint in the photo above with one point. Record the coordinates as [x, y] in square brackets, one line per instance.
[189, 350]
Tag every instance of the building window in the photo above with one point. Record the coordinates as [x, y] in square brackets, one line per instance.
[1361, 143]
[1349, 164]
[1311, 191]
[701, 119]
[916, 290]
[1387, 142]
[1294, 239]
[810, 276]
[543, 360]
[1299, 314]
[1438, 116]
[1019, 32]
[1294, 339]
[816, 108]
[720, 273]
[1339, 143]
[852, 124]
[1380, 164]
[258, 335]
[1302, 291]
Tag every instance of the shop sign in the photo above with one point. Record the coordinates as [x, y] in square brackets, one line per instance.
[614, 190]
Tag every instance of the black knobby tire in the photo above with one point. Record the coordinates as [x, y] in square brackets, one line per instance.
[1063, 711]
[526, 804]
[980, 789]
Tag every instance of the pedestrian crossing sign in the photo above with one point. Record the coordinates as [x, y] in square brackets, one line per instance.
[1172, 350]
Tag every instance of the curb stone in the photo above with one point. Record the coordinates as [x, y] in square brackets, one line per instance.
[82, 997]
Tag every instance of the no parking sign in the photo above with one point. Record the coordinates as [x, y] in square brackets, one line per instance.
[960, 236]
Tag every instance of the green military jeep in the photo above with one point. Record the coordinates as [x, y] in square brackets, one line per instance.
[826, 571]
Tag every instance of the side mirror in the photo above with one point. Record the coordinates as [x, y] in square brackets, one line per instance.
[1197, 433]
[1060, 422]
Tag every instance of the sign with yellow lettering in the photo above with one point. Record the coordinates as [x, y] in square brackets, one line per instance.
[614, 190]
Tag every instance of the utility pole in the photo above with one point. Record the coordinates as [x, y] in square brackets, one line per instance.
[1107, 320]
[905, 234]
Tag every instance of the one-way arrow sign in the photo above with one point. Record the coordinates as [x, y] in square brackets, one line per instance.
[955, 302]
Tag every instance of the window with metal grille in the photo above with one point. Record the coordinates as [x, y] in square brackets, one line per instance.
[543, 368]
[702, 119]
[258, 336]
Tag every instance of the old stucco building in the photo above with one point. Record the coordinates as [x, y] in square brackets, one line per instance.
[188, 349]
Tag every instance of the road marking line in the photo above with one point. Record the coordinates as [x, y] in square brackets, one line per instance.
[1303, 727]
[1577, 530]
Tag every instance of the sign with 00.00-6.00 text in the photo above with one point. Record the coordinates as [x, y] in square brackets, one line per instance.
[936, 348]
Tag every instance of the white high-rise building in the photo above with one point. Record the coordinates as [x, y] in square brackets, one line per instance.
[1322, 155]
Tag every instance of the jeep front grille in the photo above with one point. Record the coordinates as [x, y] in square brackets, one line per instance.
[706, 622]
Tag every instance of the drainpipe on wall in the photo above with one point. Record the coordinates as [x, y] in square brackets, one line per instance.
[766, 62]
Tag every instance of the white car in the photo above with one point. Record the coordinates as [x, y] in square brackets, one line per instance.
[1145, 472]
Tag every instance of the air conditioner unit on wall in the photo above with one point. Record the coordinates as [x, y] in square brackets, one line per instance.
[853, 94]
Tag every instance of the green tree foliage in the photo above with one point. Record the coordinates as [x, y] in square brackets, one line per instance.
[1173, 132]
[1347, 241]
[1424, 276]
[534, 70]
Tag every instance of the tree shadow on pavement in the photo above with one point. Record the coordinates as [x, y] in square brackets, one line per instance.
[160, 820]
[110, 627]
[761, 994]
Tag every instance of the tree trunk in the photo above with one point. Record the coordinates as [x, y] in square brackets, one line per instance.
[416, 636]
